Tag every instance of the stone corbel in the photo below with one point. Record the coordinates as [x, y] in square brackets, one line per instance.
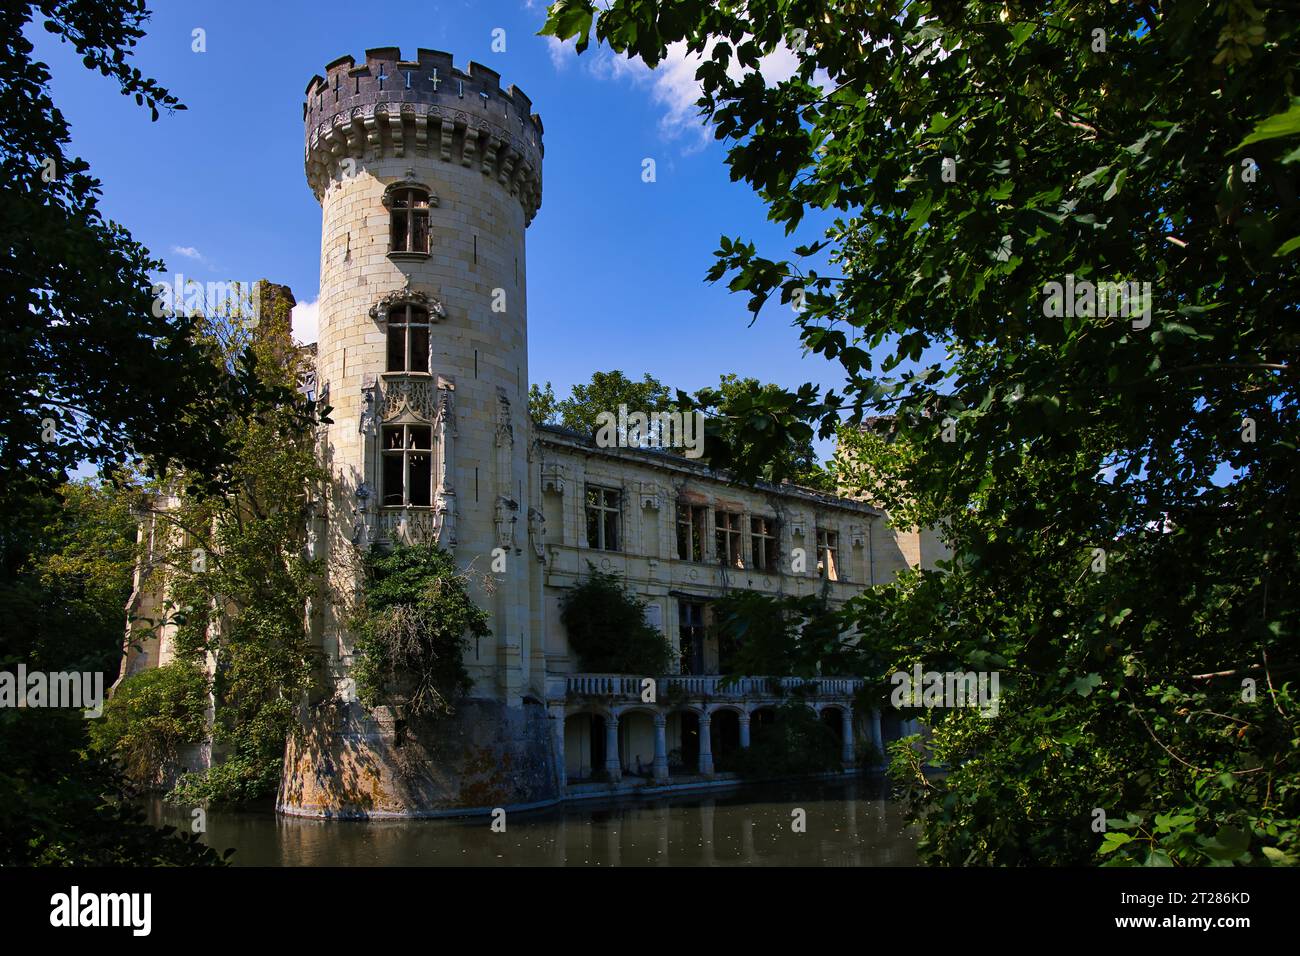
[553, 475]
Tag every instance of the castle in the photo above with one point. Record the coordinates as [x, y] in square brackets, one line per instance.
[428, 177]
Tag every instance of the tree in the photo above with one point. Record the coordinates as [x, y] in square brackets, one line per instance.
[92, 370]
[604, 393]
[239, 561]
[542, 405]
[1117, 478]
[608, 631]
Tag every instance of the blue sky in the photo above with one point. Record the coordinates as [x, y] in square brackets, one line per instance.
[218, 190]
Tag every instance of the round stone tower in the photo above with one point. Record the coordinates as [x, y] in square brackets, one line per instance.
[428, 177]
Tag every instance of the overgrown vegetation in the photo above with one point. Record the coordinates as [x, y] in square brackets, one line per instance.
[241, 576]
[412, 631]
[1120, 490]
[150, 716]
[782, 636]
[795, 743]
[607, 628]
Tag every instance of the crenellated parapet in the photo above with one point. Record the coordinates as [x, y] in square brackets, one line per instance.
[394, 107]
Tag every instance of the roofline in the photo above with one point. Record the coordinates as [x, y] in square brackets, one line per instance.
[561, 437]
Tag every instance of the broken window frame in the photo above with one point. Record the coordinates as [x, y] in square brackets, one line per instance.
[693, 520]
[607, 511]
[409, 206]
[406, 452]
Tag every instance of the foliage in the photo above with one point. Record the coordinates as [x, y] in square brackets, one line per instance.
[794, 744]
[543, 407]
[91, 373]
[782, 635]
[241, 576]
[150, 715]
[604, 393]
[1154, 681]
[607, 628]
[413, 631]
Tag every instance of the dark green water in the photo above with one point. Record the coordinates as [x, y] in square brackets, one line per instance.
[848, 823]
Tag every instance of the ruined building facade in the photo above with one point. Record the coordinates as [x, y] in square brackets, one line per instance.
[428, 177]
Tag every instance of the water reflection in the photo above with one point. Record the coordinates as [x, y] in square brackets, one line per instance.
[849, 823]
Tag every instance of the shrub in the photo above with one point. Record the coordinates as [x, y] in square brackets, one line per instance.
[413, 630]
[150, 716]
[608, 631]
[796, 743]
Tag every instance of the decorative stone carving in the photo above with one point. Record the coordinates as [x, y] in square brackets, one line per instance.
[857, 536]
[408, 296]
[506, 517]
[650, 495]
[415, 396]
[368, 423]
[553, 474]
[505, 429]
[408, 183]
[537, 533]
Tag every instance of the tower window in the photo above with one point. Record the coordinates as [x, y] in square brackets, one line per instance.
[408, 466]
[603, 514]
[409, 211]
[408, 339]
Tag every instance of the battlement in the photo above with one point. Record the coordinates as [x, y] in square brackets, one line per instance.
[394, 107]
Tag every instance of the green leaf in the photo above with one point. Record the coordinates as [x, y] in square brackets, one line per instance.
[1275, 126]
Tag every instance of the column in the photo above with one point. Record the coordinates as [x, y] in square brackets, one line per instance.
[613, 769]
[744, 731]
[876, 737]
[706, 745]
[846, 725]
[557, 732]
[661, 748]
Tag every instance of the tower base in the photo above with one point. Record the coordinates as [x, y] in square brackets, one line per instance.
[346, 762]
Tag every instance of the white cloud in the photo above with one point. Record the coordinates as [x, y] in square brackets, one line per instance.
[674, 88]
[305, 320]
[561, 53]
[189, 252]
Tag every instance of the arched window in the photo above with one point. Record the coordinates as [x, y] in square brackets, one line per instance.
[408, 339]
[408, 466]
[409, 212]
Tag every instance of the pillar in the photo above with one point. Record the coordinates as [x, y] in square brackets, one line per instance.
[706, 745]
[613, 768]
[557, 736]
[661, 748]
[744, 731]
[846, 731]
[876, 737]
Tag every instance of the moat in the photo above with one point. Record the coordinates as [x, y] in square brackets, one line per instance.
[848, 823]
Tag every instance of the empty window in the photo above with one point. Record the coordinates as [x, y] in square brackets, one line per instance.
[408, 339]
[728, 537]
[690, 621]
[409, 209]
[408, 466]
[690, 532]
[828, 546]
[603, 515]
[762, 540]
